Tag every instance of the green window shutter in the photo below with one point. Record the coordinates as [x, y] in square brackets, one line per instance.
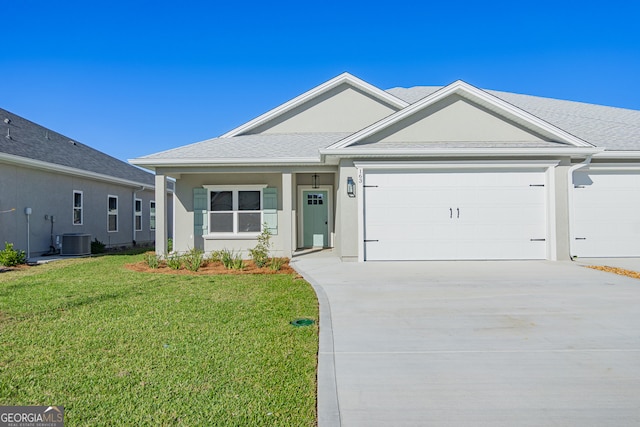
[270, 208]
[200, 223]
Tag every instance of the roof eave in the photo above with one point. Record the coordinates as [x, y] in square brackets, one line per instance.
[52, 167]
[618, 155]
[464, 152]
[153, 163]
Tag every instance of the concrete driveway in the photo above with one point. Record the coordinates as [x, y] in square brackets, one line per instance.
[505, 343]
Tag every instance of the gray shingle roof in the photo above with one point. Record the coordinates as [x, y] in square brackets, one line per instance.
[294, 146]
[608, 127]
[32, 141]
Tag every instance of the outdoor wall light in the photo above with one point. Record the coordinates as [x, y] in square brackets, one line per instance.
[315, 180]
[351, 187]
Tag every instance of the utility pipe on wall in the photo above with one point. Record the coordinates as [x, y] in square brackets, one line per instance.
[27, 212]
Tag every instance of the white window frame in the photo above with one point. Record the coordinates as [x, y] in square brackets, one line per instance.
[234, 189]
[112, 213]
[137, 214]
[152, 215]
[76, 208]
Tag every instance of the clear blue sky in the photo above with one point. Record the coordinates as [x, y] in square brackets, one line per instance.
[132, 78]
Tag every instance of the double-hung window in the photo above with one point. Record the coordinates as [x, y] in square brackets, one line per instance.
[112, 213]
[138, 214]
[77, 208]
[235, 210]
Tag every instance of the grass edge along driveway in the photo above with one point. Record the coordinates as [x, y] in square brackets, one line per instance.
[116, 347]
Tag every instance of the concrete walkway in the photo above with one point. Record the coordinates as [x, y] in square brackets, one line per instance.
[505, 343]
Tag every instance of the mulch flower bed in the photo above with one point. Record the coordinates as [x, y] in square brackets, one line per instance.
[211, 268]
[616, 270]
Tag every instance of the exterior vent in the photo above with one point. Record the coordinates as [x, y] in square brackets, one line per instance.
[76, 244]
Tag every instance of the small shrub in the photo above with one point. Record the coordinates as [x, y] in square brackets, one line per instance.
[97, 247]
[169, 245]
[174, 261]
[260, 253]
[226, 258]
[276, 263]
[152, 260]
[10, 257]
[215, 256]
[231, 260]
[193, 259]
[238, 263]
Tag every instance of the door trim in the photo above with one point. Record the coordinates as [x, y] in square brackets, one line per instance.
[329, 190]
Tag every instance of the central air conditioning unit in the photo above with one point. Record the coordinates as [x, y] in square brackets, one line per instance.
[76, 244]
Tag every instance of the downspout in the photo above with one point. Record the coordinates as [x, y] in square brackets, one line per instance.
[572, 169]
[133, 204]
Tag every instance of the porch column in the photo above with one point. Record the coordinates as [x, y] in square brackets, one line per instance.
[287, 214]
[161, 215]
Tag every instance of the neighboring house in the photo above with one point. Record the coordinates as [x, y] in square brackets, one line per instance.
[68, 188]
[424, 173]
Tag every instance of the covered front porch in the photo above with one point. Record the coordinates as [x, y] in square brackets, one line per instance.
[228, 208]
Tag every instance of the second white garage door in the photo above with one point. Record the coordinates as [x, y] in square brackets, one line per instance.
[606, 214]
[454, 215]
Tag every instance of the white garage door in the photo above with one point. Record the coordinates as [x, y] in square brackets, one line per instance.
[454, 215]
[606, 214]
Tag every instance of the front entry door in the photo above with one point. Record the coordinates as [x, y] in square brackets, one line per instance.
[315, 216]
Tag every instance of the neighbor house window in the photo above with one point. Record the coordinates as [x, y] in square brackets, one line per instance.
[77, 208]
[138, 214]
[235, 210]
[112, 213]
[152, 215]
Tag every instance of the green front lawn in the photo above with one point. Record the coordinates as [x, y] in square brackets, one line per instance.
[117, 347]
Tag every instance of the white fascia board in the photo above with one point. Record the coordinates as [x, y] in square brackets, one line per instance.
[318, 90]
[617, 155]
[459, 152]
[472, 93]
[226, 162]
[52, 167]
[612, 167]
[474, 164]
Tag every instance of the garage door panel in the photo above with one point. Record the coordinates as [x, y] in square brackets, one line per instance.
[454, 215]
[614, 196]
[403, 180]
[408, 215]
[516, 195]
[390, 197]
[411, 250]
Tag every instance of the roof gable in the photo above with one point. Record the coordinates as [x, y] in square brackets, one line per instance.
[455, 119]
[460, 112]
[609, 127]
[343, 104]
